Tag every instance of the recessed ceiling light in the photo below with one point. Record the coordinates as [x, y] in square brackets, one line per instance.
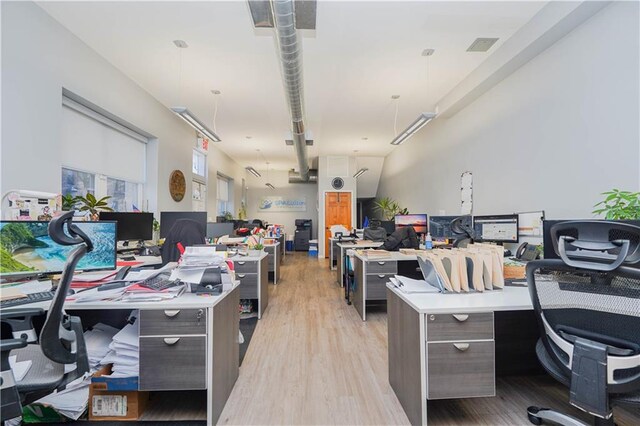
[428, 52]
[181, 44]
[481, 44]
[394, 97]
[365, 139]
[248, 137]
[216, 92]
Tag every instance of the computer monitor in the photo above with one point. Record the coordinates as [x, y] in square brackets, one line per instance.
[26, 249]
[440, 226]
[417, 221]
[131, 226]
[496, 228]
[547, 243]
[215, 230]
[168, 219]
[388, 225]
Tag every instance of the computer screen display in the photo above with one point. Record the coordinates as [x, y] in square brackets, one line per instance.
[216, 230]
[25, 247]
[131, 226]
[496, 228]
[417, 221]
[168, 219]
[440, 226]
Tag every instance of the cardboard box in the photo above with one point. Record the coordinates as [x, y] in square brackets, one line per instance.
[515, 272]
[107, 403]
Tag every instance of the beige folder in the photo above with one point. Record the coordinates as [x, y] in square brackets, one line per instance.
[440, 269]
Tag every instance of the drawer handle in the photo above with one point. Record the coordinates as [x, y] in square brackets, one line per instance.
[241, 275]
[241, 263]
[172, 313]
[381, 263]
[461, 317]
[173, 340]
[381, 275]
[461, 346]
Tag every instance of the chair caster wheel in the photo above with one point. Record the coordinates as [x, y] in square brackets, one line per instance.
[531, 414]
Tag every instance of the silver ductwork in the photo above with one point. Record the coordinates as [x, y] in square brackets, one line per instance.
[289, 50]
[294, 177]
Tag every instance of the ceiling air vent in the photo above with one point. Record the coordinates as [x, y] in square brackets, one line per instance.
[482, 44]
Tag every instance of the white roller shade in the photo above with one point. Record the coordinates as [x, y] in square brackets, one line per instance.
[223, 189]
[90, 145]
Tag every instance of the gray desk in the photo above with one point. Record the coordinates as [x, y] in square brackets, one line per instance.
[342, 253]
[253, 274]
[372, 275]
[205, 355]
[274, 260]
[334, 251]
[444, 346]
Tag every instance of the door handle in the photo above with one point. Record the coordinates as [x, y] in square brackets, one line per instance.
[381, 275]
[241, 275]
[461, 346]
[381, 263]
[171, 340]
[241, 263]
[461, 317]
[172, 313]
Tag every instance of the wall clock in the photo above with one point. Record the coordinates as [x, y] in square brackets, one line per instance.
[177, 185]
[337, 183]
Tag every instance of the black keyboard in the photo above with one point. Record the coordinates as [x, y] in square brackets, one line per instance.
[42, 296]
[159, 282]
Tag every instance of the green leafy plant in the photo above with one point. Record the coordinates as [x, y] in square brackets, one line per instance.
[258, 246]
[228, 216]
[242, 211]
[92, 205]
[69, 202]
[619, 205]
[156, 225]
[388, 208]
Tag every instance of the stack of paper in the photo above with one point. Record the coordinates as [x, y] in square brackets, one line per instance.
[19, 368]
[138, 293]
[409, 285]
[376, 254]
[124, 353]
[72, 401]
[201, 257]
[98, 340]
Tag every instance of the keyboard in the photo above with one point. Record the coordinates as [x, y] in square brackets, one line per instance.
[42, 296]
[159, 282]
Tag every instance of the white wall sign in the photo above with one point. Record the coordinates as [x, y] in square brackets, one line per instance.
[282, 204]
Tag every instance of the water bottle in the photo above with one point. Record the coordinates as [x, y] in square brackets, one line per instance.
[428, 242]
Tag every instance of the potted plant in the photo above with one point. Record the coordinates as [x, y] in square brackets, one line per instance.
[156, 230]
[91, 204]
[228, 216]
[619, 205]
[69, 202]
[256, 249]
[388, 208]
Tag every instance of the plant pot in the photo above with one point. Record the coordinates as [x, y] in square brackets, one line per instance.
[255, 253]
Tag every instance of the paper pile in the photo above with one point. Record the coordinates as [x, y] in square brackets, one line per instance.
[72, 401]
[124, 352]
[201, 257]
[410, 285]
[98, 340]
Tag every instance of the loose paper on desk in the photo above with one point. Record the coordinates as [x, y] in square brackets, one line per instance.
[410, 286]
[19, 368]
[148, 273]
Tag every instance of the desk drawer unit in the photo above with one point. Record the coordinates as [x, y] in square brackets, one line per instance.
[460, 369]
[172, 322]
[382, 267]
[460, 327]
[242, 266]
[377, 286]
[248, 285]
[173, 363]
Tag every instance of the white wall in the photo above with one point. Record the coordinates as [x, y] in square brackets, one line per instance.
[326, 173]
[39, 58]
[553, 135]
[280, 179]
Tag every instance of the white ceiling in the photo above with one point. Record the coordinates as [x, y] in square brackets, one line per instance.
[361, 53]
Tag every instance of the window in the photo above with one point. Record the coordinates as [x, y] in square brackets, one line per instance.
[125, 196]
[199, 196]
[76, 183]
[225, 203]
[199, 164]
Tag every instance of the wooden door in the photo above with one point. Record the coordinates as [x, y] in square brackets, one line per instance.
[337, 211]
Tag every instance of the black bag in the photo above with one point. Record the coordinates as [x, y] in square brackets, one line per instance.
[404, 237]
[375, 234]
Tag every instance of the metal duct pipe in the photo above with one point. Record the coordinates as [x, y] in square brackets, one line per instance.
[291, 63]
[294, 177]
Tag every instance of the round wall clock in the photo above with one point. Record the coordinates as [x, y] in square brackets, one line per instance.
[177, 185]
[337, 183]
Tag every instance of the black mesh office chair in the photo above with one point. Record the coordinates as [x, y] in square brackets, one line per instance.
[588, 308]
[186, 232]
[61, 340]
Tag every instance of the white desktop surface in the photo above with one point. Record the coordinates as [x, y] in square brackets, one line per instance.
[392, 256]
[238, 258]
[507, 299]
[354, 244]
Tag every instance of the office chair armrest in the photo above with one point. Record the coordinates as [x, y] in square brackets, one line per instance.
[7, 345]
[20, 321]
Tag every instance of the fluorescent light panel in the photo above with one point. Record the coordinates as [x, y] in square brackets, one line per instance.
[270, 186]
[253, 171]
[360, 172]
[413, 128]
[193, 121]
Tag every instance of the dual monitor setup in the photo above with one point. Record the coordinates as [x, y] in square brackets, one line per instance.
[493, 228]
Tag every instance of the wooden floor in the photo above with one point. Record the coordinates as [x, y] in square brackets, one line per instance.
[312, 360]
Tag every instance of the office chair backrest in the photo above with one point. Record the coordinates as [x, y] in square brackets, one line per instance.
[586, 298]
[186, 232]
[404, 237]
[57, 339]
[377, 234]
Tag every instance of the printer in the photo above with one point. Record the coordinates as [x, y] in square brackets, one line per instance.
[302, 234]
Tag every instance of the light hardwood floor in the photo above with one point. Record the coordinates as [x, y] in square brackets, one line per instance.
[313, 361]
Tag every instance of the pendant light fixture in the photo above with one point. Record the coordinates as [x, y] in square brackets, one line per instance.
[422, 119]
[183, 112]
[268, 184]
[252, 170]
[360, 172]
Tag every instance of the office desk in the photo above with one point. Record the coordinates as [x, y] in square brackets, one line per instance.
[274, 260]
[443, 346]
[334, 251]
[372, 275]
[342, 254]
[253, 274]
[206, 354]
[146, 261]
